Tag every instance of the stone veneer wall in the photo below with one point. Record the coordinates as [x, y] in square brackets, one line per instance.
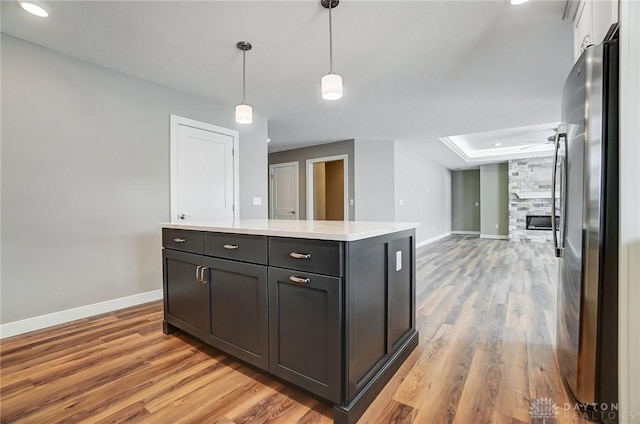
[529, 175]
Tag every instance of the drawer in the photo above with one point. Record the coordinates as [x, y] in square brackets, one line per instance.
[238, 247]
[184, 240]
[318, 256]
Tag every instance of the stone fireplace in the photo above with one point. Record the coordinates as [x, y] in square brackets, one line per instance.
[529, 195]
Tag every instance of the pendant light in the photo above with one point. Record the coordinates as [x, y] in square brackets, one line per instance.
[332, 82]
[244, 112]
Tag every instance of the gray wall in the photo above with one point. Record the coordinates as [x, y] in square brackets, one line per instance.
[85, 179]
[494, 200]
[374, 180]
[465, 202]
[425, 188]
[322, 150]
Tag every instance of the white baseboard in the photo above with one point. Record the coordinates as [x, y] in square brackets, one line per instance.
[472, 233]
[432, 239]
[490, 236]
[36, 323]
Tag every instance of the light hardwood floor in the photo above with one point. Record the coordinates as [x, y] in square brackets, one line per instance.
[486, 316]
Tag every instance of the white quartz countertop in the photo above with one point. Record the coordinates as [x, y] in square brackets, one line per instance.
[322, 230]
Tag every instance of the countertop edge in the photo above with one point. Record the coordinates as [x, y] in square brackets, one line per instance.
[318, 235]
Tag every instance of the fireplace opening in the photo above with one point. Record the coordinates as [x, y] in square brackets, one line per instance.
[540, 222]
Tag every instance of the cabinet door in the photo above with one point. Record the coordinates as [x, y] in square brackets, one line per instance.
[305, 336]
[183, 292]
[400, 296]
[238, 319]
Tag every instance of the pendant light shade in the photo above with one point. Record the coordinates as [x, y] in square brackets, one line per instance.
[244, 112]
[331, 87]
[332, 82]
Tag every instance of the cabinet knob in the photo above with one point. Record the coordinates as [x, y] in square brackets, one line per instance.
[299, 280]
[231, 246]
[300, 255]
[179, 240]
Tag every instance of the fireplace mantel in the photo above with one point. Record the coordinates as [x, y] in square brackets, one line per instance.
[533, 194]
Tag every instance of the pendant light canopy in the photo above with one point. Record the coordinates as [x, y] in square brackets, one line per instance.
[244, 112]
[332, 82]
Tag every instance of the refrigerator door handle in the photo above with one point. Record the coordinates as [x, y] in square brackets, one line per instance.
[560, 133]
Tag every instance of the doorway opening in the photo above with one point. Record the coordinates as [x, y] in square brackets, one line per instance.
[327, 189]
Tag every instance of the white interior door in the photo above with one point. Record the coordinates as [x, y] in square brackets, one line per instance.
[284, 190]
[203, 172]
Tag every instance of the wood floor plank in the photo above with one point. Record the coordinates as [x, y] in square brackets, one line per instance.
[486, 316]
[432, 302]
[202, 401]
[397, 413]
[478, 397]
[452, 366]
[118, 393]
[278, 406]
[416, 385]
[512, 399]
[516, 316]
[39, 337]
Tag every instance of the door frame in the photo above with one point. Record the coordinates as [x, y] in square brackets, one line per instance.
[272, 208]
[345, 162]
[174, 122]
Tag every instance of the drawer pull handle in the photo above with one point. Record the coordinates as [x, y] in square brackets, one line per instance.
[231, 246]
[202, 280]
[299, 280]
[300, 255]
[179, 240]
[198, 273]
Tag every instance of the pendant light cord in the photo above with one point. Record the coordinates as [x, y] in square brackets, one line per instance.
[244, 73]
[330, 39]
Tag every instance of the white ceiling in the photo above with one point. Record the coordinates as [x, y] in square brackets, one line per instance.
[413, 70]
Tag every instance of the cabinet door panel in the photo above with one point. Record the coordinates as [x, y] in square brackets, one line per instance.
[367, 312]
[182, 291]
[238, 320]
[305, 338]
[399, 296]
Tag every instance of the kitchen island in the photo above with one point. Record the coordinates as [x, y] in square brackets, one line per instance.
[328, 306]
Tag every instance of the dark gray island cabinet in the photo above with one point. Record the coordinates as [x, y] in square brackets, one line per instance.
[330, 310]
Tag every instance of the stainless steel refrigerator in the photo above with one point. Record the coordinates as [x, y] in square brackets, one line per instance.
[585, 178]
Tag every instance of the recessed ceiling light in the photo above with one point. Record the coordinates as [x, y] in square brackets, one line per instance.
[497, 144]
[518, 2]
[35, 8]
[268, 140]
